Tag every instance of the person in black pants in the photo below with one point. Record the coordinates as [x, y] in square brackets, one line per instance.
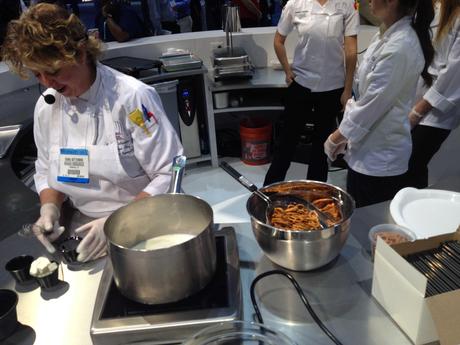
[437, 110]
[426, 141]
[319, 79]
[303, 106]
[375, 128]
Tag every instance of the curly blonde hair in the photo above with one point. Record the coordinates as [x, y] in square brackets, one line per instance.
[45, 38]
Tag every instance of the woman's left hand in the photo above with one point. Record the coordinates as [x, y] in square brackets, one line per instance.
[94, 243]
[335, 144]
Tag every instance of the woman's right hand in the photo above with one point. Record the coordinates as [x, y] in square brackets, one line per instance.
[48, 228]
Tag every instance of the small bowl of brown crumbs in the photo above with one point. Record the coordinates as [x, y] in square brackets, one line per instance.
[391, 234]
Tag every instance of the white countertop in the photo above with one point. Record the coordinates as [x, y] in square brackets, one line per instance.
[338, 292]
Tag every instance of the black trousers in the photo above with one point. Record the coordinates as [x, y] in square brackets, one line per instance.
[426, 141]
[368, 190]
[301, 107]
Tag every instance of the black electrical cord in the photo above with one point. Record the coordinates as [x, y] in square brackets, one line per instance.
[301, 295]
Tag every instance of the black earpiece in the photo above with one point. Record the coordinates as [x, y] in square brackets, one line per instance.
[49, 99]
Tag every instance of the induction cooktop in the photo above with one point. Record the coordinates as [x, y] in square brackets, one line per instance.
[118, 320]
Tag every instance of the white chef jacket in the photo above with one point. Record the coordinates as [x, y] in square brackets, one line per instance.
[377, 125]
[444, 93]
[125, 157]
[319, 56]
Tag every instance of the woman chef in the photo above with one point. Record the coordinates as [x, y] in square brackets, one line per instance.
[376, 128]
[319, 80]
[437, 110]
[102, 137]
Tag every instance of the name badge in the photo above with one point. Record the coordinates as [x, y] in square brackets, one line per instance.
[73, 166]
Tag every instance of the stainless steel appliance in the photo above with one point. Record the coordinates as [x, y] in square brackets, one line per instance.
[231, 62]
[188, 118]
[167, 91]
[117, 320]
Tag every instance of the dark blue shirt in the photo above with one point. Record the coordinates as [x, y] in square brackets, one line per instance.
[127, 19]
[182, 8]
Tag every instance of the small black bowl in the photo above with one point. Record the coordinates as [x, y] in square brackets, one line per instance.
[19, 267]
[8, 315]
[49, 280]
[68, 248]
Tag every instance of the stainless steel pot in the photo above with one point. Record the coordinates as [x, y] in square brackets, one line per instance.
[155, 276]
[301, 250]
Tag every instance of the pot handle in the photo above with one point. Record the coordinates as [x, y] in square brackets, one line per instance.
[178, 167]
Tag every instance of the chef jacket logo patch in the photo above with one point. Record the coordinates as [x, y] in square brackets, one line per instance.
[144, 119]
[124, 141]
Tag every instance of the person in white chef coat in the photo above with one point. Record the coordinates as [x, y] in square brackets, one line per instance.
[103, 139]
[375, 129]
[437, 109]
[319, 80]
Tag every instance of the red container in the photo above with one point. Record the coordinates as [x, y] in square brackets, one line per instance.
[256, 136]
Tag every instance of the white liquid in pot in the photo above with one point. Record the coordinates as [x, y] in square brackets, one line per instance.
[163, 241]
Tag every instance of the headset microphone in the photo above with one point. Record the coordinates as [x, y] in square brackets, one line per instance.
[49, 99]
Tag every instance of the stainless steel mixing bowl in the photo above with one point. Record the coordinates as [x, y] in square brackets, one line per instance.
[301, 250]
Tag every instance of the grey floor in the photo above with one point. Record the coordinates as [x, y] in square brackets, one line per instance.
[227, 197]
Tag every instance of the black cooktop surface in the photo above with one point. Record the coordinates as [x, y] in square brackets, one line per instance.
[214, 295]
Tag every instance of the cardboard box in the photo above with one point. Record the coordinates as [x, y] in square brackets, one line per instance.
[400, 289]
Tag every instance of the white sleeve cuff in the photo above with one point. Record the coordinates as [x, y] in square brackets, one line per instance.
[159, 185]
[438, 101]
[351, 32]
[351, 130]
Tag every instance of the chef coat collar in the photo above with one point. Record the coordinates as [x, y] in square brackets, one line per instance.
[327, 8]
[90, 94]
[395, 27]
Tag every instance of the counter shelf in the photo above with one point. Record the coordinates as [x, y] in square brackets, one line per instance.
[260, 96]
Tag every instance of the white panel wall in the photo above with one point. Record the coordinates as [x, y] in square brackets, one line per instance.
[258, 43]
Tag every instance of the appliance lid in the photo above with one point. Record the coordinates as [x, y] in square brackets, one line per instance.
[131, 65]
[180, 62]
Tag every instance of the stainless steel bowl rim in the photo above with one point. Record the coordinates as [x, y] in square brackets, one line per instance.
[301, 234]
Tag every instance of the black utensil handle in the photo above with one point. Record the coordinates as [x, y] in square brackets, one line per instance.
[237, 176]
